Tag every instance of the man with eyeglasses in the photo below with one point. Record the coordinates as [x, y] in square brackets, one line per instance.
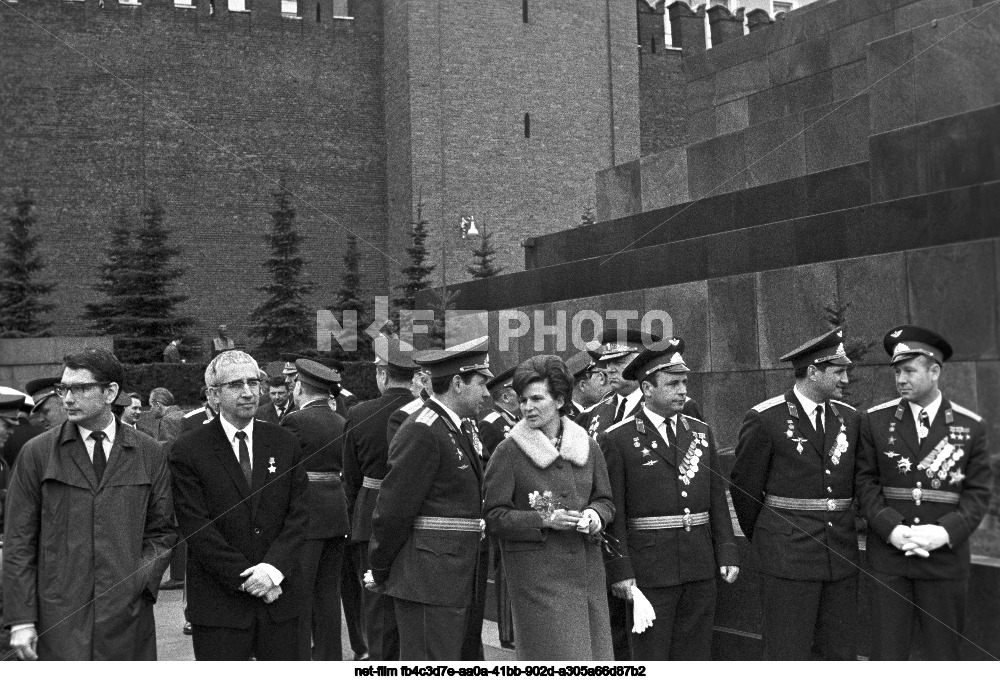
[240, 495]
[90, 528]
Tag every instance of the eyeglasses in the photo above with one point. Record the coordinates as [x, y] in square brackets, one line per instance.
[239, 385]
[77, 388]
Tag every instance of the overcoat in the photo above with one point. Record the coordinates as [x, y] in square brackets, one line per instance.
[779, 453]
[890, 457]
[555, 579]
[83, 560]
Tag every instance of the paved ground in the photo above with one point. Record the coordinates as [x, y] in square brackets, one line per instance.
[173, 645]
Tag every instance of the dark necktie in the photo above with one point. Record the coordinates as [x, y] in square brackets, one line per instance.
[671, 434]
[100, 460]
[925, 422]
[620, 413]
[245, 458]
[819, 423]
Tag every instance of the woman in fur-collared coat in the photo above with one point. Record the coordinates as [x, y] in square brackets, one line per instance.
[552, 559]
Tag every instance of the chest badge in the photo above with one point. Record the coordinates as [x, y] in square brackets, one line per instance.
[800, 441]
[645, 452]
[840, 447]
[904, 465]
[651, 462]
[271, 468]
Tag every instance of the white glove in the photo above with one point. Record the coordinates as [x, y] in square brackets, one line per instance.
[23, 642]
[642, 611]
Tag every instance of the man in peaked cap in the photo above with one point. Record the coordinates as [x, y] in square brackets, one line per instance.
[428, 521]
[10, 406]
[793, 489]
[590, 384]
[924, 484]
[615, 354]
[366, 455]
[320, 433]
[495, 426]
[22, 430]
[52, 412]
[672, 521]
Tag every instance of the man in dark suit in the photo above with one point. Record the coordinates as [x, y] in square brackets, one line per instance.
[240, 496]
[320, 432]
[281, 403]
[671, 515]
[366, 457]
[924, 483]
[428, 521]
[495, 426]
[793, 489]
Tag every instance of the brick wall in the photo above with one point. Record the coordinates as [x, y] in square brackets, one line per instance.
[233, 100]
[473, 69]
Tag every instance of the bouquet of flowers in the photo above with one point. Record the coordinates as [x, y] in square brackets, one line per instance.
[544, 504]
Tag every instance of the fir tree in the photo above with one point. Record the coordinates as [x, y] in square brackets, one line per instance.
[418, 272]
[284, 322]
[588, 217]
[20, 294]
[854, 348]
[139, 309]
[484, 255]
[349, 298]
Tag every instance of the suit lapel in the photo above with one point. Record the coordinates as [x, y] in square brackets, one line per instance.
[115, 459]
[803, 424]
[227, 459]
[460, 437]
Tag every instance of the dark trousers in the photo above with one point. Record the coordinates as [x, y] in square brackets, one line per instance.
[352, 595]
[380, 615]
[264, 640]
[619, 612]
[682, 630]
[321, 561]
[178, 562]
[430, 633]
[938, 607]
[805, 620]
[472, 647]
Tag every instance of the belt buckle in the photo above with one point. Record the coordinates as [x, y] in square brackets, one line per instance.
[482, 529]
[687, 522]
[831, 504]
[917, 495]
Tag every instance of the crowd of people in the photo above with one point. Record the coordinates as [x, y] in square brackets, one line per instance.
[591, 489]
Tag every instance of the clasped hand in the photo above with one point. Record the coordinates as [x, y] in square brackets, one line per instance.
[23, 641]
[919, 540]
[587, 522]
[259, 584]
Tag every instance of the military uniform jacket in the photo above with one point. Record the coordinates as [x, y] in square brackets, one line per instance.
[400, 415]
[601, 415]
[320, 432]
[494, 428]
[366, 454]
[434, 471]
[645, 476]
[779, 453]
[267, 412]
[891, 457]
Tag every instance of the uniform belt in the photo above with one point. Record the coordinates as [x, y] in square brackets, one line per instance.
[828, 504]
[450, 524]
[323, 476]
[685, 522]
[371, 483]
[918, 494]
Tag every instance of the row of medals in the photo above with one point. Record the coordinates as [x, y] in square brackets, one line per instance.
[937, 464]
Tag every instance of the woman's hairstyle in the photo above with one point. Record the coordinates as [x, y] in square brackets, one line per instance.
[549, 369]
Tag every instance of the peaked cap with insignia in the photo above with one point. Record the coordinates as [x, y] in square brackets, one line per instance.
[580, 363]
[467, 358]
[41, 389]
[316, 374]
[616, 343]
[651, 361]
[504, 379]
[393, 352]
[903, 343]
[9, 406]
[827, 348]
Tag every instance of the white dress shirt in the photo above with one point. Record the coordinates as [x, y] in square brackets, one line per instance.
[451, 414]
[931, 408]
[810, 406]
[660, 423]
[109, 433]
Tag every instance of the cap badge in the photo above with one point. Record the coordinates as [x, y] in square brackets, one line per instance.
[896, 334]
[901, 347]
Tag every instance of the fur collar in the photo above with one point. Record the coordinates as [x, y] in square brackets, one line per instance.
[536, 446]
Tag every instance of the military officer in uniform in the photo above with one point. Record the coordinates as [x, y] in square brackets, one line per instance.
[51, 410]
[320, 433]
[428, 521]
[793, 489]
[366, 455]
[924, 483]
[401, 414]
[617, 351]
[495, 427]
[590, 385]
[671, 515]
